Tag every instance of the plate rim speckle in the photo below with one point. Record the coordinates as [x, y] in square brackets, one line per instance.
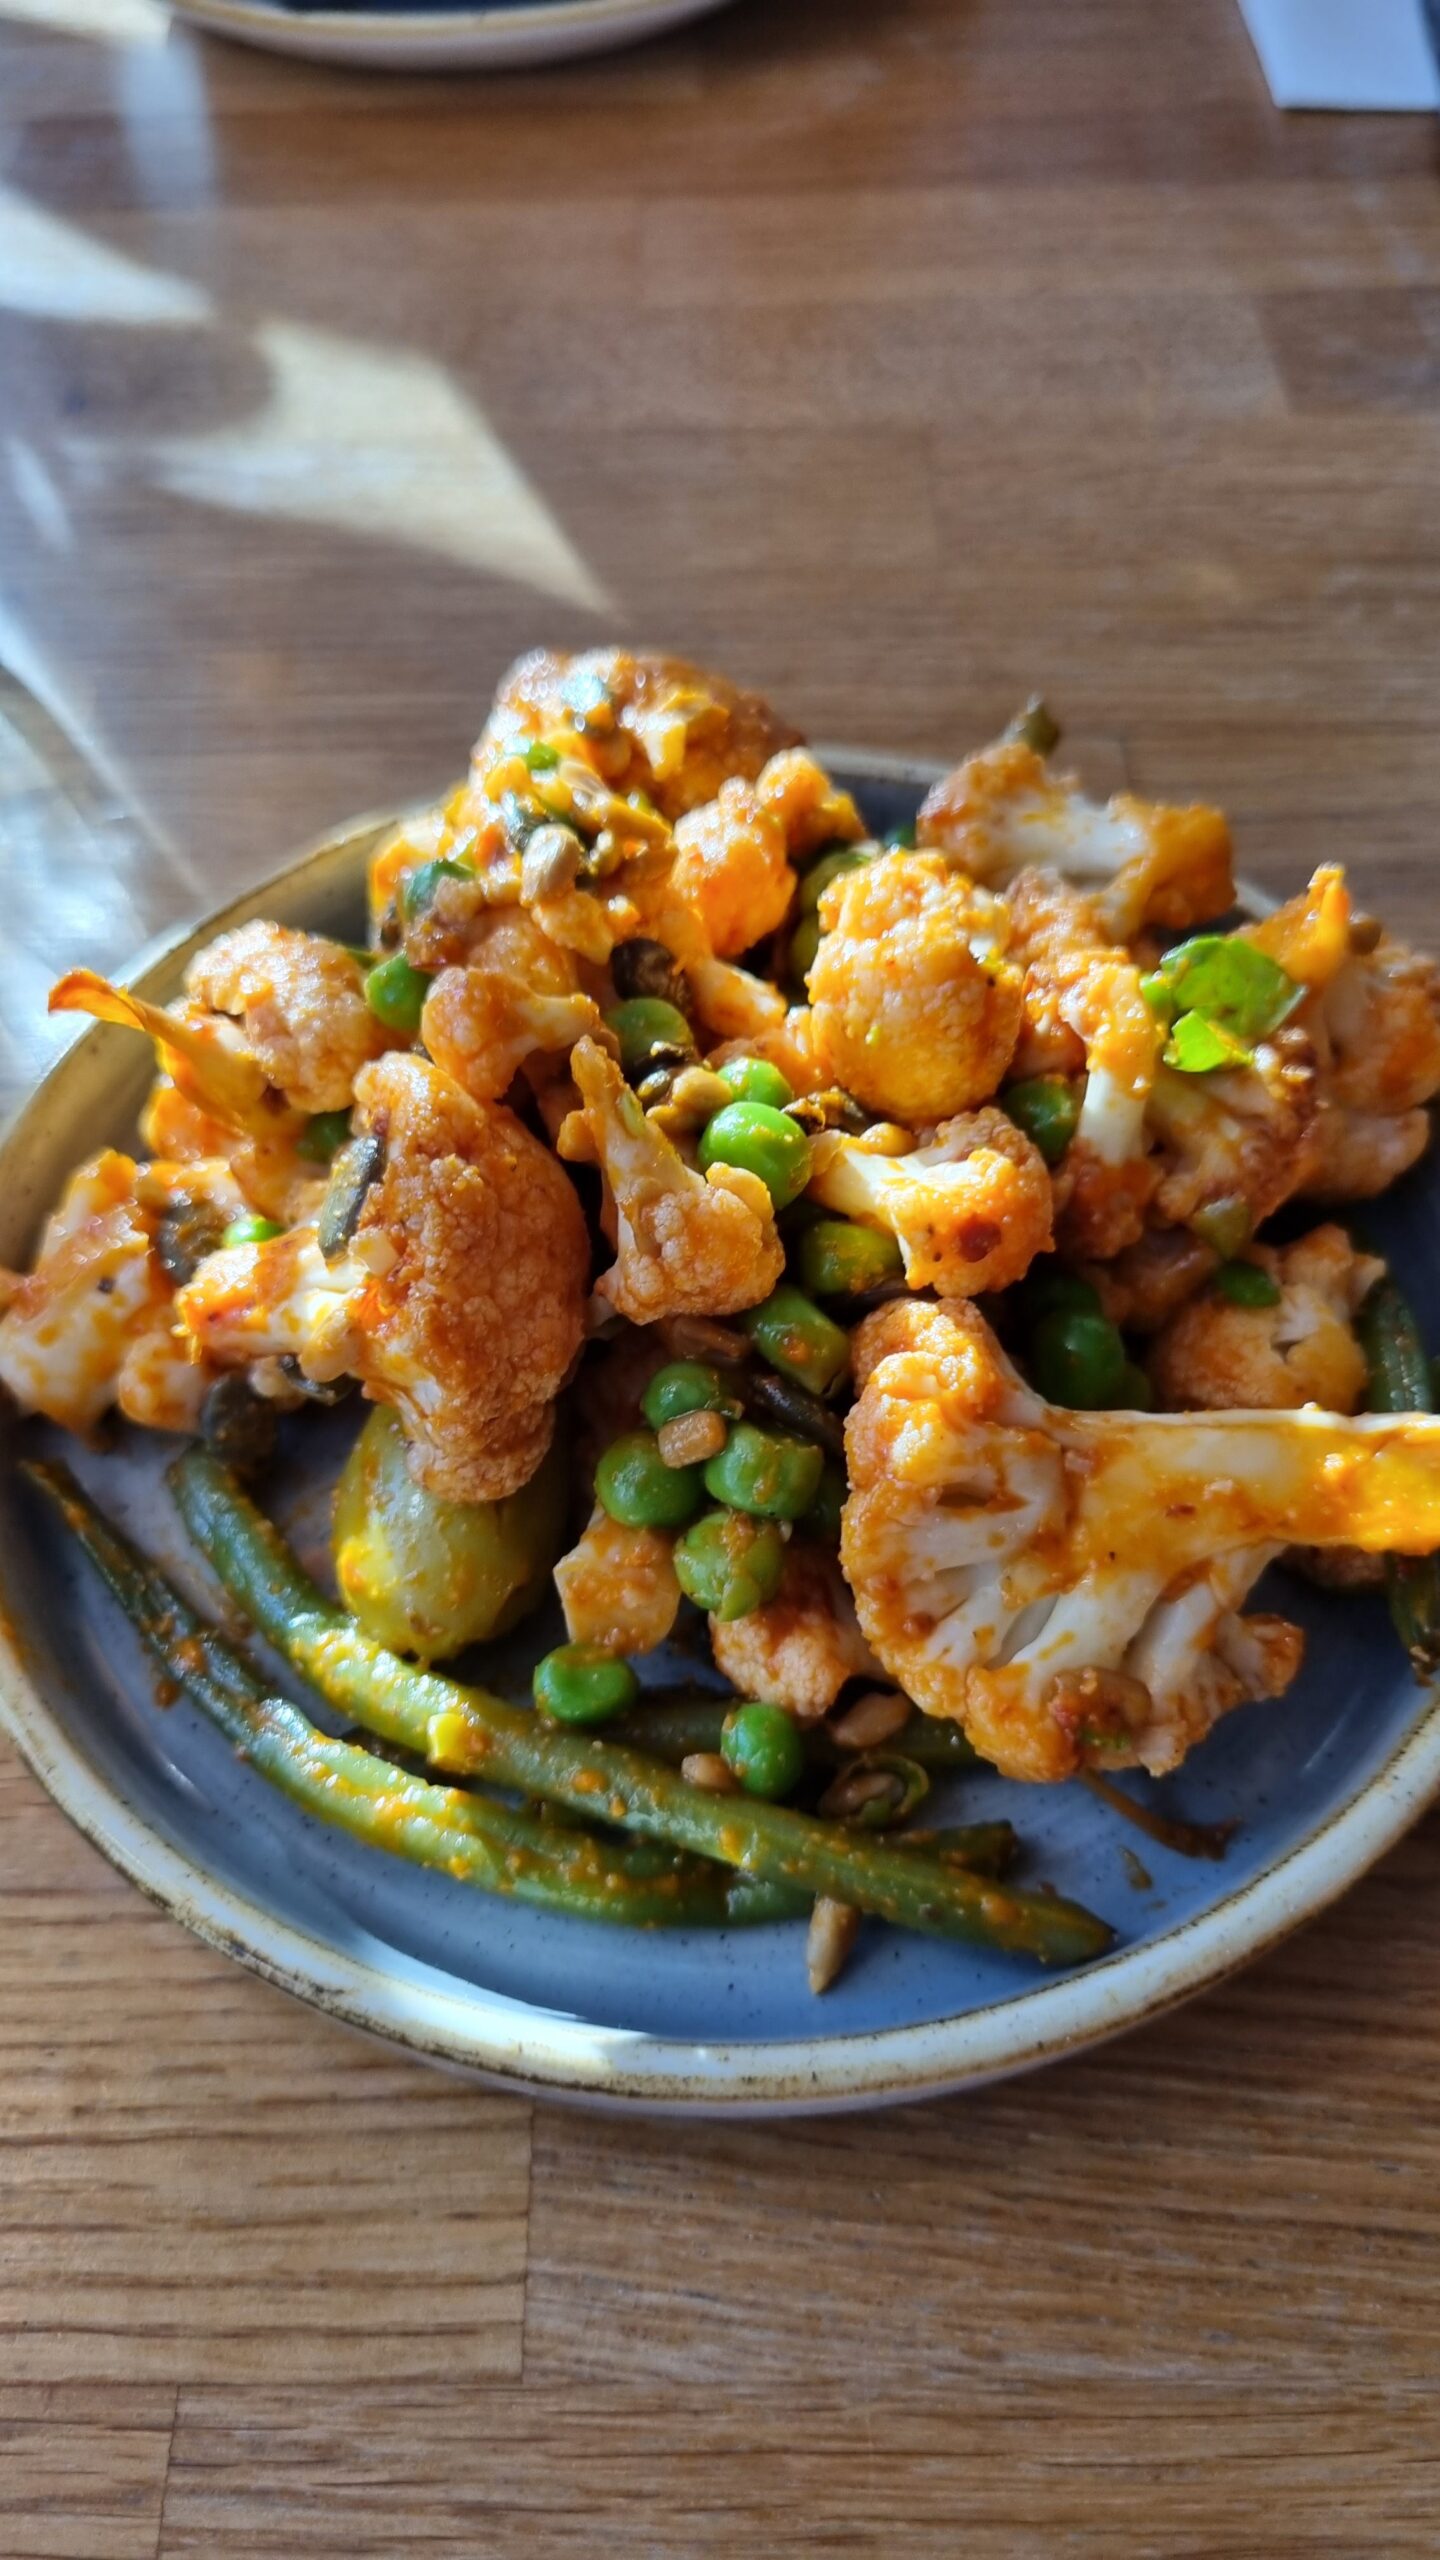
[507, 2043]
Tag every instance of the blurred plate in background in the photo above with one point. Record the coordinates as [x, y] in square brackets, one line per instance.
[505, 36]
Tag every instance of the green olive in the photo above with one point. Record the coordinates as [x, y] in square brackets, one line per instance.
[427, 1576]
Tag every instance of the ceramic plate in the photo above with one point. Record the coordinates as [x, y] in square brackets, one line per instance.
[1319, 1784]
[503, 37]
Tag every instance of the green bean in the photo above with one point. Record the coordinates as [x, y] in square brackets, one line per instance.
[799, 1339]
[796, 1410]
[1400, 1383]
[472, 1734]
[986, 1848]
[540, 1858]
[670, 1727]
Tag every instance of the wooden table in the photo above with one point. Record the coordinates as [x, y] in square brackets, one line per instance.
[901, 359]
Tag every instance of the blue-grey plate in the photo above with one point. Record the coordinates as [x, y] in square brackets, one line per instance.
[1318, 1784]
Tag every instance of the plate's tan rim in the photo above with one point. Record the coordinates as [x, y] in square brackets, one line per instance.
[421, 26]
[512, 2046]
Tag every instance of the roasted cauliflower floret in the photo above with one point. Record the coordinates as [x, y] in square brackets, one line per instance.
[800, 1648]
[970, 1209]
[1372, 1014]
[300, 1004]
[732, 866]
[734, 857]
[460, 1300]
[1237, 1138]
[1302, 1350]
[1081, 989]
[913, 1002]
[651, 723]
[92, 1325]
[617, 1586]
[515, 998]
[686, 1243]
[1003, 810]
[1067, 1585]
[66, 1328]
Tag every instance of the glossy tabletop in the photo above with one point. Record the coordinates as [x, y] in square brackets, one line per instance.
[903, 360]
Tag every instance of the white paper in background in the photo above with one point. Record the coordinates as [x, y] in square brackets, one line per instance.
[1345, 53]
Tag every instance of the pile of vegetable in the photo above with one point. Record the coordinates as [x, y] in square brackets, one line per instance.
[903, 1261]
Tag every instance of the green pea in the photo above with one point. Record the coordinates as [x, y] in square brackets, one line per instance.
[729, 1563]
[1053, 1292]
[840, 1260]
[541, 757]
[323, 1136]
[640, 1491]
[762, 1746]
[803, 945]
[583, 1684]
[798, 1339]
[840, 858]
[396, 992]
[687, 1386]
[900, 839]
[755, 1080]
[643, 1024]
[418, 893]
[1047, 1108]
[766, 1472]
[251, 1231]
[822, 1520]
[758, 1139]
[1246, 1285]
[1078, 1360]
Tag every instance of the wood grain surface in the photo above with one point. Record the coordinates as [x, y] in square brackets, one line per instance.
[902, 359]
